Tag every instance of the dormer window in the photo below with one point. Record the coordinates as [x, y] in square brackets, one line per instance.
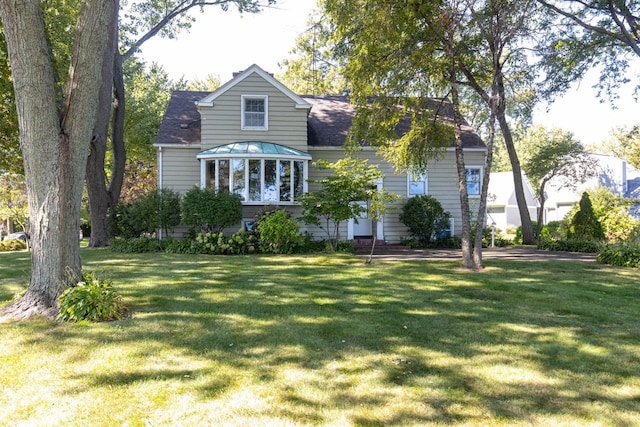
[254, 112]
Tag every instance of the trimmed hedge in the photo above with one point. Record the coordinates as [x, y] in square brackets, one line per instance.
[623, 255]
[570, 245]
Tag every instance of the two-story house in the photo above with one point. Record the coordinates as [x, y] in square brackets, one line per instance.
[257, 139]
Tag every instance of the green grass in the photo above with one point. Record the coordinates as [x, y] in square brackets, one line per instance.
[319, 340]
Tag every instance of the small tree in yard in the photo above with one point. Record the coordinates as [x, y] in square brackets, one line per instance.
[351, 181]
[209, 210]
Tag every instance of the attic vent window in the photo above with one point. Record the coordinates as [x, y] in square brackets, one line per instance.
[254, 112]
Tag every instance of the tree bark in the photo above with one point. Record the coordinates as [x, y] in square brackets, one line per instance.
[54, 141]
[468, 260]
[100, 198]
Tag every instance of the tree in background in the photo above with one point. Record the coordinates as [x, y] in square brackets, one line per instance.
[210, 83]
[313, 70]
[624, 144]
[13, 200]
[55, 131]
[553, 154]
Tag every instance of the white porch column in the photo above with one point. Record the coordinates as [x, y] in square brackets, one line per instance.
[203, 173]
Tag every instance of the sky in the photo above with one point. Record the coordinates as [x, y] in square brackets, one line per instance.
[221, 43]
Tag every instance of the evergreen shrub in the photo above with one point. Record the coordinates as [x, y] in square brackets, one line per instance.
[425, 218]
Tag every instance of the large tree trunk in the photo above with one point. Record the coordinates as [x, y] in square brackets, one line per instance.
[100, 197]
[525, 219]
[468, 260]
[54, 141]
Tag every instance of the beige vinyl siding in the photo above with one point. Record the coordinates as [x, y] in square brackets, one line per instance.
[180, 169]
[221, 124]
[442, 184]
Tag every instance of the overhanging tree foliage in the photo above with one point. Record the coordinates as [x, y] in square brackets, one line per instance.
[396, 57]
[587, 34]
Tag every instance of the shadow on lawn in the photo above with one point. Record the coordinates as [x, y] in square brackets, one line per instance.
[515, 342]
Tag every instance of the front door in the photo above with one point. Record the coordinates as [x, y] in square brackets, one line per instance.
[363, 227]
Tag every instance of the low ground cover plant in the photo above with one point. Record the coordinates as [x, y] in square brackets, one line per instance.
[93, 300]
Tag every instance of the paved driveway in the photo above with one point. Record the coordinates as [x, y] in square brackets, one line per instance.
[508, 253]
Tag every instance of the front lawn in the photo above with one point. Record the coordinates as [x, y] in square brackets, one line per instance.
[326, 340]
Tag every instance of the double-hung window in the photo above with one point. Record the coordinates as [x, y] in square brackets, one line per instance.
[417, 185]
[474, 181]
[255, 114]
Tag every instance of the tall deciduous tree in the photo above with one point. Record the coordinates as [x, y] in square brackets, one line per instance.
[625, 144]
[60, 19]
[54, 138]
[141, 21]
[553, 154]
[397, 56]
[496, 67]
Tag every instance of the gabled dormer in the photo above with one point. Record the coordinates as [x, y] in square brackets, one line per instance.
[254, 106]
[254, 139]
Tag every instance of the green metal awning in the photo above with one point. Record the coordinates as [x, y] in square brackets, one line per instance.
[253, 149]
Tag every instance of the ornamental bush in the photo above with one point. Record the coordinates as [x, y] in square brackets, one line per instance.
[208, 210]
[278, 232]
[145, 214]
[93, 300]
[241, 243]
[425, 218]
[584, 224]
[569, 245]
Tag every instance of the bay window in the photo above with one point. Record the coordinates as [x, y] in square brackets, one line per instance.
[258, 172]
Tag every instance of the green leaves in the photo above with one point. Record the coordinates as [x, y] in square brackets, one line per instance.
[349, 181]
[210, 210]
[93, 300]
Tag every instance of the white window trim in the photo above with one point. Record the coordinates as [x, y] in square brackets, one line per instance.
[243, 98]
[426, 184]
[481, 174]
[245, 195]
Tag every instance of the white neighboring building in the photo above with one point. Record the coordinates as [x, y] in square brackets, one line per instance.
[612, 172]
[502, 207]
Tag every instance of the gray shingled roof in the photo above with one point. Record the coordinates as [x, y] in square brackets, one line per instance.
[181, 122]
[328, 123]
